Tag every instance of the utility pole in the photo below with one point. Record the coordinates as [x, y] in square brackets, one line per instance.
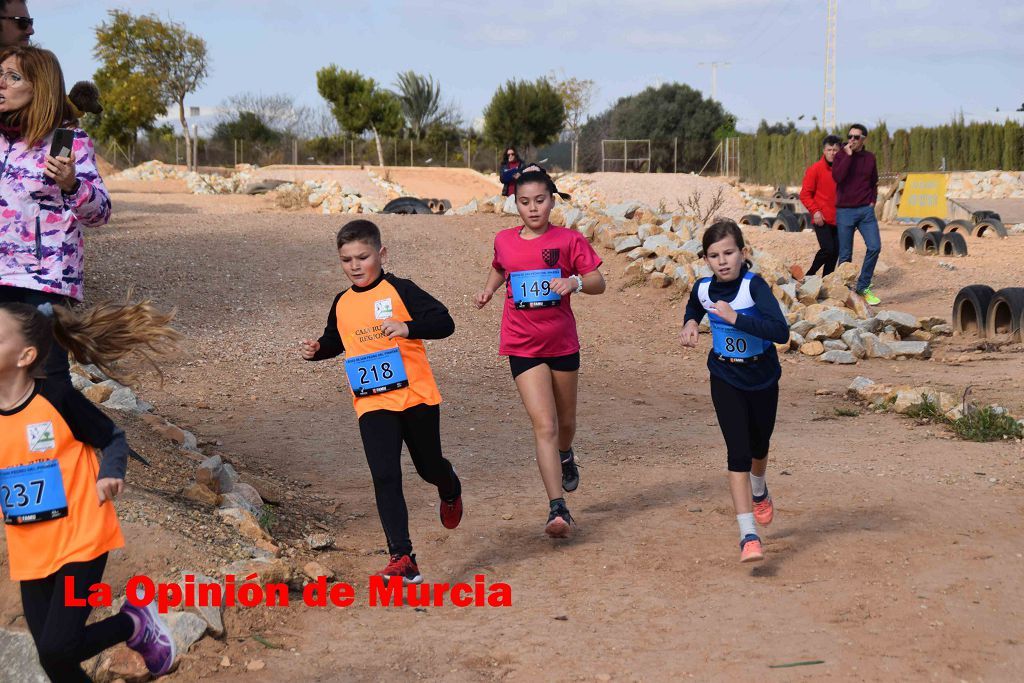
[714, 75]
[829, 116]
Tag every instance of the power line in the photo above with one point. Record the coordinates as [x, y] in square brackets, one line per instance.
[714, 75]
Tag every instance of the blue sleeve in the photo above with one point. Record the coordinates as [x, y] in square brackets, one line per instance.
[694, 310]
[508, 174]
[773, 325]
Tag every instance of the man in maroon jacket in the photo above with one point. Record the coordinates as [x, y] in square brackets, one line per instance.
[818, 194]
[856, 176]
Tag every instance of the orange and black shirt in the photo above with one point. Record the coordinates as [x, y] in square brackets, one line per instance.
[386, 374]
[48, 473]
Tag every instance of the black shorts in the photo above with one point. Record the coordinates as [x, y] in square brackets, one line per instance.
[520, 364]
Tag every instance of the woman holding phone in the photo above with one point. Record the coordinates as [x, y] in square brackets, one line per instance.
[49, 188]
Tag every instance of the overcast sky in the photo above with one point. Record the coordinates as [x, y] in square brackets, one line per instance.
[907, 62]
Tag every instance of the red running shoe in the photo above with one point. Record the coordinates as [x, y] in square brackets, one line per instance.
[764, 511]
[451, 513]
[404, 566]
[750, 549]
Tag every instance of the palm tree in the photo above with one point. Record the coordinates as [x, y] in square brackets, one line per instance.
[421, 100]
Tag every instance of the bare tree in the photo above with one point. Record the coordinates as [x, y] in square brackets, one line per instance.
[278, 111]
[696, 207]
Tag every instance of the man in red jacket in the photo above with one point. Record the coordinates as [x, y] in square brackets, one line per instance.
[818, 194]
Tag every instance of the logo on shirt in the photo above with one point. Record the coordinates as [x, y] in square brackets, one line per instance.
[40, 437]
[550, 257]
[382, 309]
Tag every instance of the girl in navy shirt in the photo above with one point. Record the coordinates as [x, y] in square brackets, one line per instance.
[745, 320]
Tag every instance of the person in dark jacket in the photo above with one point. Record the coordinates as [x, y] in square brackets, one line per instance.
[818, 194]
[511, 169]
[856, 174]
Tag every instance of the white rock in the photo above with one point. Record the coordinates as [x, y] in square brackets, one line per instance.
[838, 357]
[186, 629]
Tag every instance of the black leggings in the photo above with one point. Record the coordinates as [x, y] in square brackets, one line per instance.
[56, 365]
[383, 432]
[62, 639]
[828, 249]
[747, 420]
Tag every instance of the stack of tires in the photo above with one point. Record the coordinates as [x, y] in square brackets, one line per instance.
[980, 311]
[786, 220]
[936, 237]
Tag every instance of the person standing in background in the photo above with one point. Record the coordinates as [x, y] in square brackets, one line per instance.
[818, 194]
[856, 174]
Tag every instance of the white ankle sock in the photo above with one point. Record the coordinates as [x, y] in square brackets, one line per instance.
[757, 485]
[746, 522]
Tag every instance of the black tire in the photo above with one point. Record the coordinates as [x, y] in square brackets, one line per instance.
[931, 242]
[264, 186]
[805, 221]
[445, 204]
[786, 220]
[970, 310]
[961, 226]
[1005, 312]
[952, 244]
[768, 222]
[774, 204]
[988, 227]
[932, 223]
[751, 219]
[406, 205]
[913, 238]
[979, 216]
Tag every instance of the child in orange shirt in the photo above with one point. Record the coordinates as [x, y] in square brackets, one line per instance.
[56, 498]
[379, 323]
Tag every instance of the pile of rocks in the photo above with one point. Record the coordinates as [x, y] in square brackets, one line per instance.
[391, 189]
[198, 183]
[904, 399]
[985, 185]
[330, 197]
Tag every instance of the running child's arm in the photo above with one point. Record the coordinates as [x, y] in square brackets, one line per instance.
[691, 320]
[495, 279]
[329, 345]
[773, 325]
[584, 261]
[91, 426]
[430, 319]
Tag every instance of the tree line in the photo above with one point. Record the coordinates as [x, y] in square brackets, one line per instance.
[149, 65]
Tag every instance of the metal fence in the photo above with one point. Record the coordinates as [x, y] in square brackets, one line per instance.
[648, 156]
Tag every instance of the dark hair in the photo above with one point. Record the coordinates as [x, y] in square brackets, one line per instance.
[513, 148]
[359, 230]
[100, 335]
[540, 176]
[718, 231]
[831, 140]
[861, 128]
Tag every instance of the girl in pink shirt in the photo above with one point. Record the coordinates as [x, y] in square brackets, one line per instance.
[541, 266]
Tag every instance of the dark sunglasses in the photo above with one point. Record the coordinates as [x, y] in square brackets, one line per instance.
[22, 22]
[854, 137]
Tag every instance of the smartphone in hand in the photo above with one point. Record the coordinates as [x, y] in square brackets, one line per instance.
[63, 142]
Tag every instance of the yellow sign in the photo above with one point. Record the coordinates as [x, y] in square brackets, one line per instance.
[924, 195]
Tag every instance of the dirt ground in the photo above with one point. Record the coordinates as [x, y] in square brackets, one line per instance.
[895, 554]
[457, 185]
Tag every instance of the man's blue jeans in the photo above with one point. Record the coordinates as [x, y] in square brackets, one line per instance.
[860, 218]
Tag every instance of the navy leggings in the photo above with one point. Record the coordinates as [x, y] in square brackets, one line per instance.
[747, 420]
